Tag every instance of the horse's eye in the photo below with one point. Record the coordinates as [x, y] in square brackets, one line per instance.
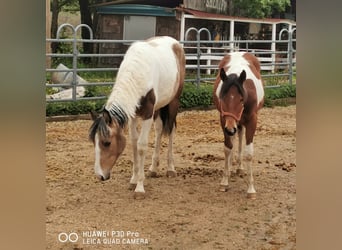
[106, 143]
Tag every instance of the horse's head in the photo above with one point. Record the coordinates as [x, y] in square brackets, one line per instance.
[109, 143]
[231, 100]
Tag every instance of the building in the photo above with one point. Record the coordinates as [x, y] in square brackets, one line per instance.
[141, 19]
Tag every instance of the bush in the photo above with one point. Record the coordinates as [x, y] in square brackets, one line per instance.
[279, 93]
[73, 108]
[192, 96]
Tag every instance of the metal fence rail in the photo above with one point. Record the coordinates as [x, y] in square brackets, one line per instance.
[202, 58]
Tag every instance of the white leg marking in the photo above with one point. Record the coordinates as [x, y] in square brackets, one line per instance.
[142, 147]
[158, 125]
[248, 157]
[170, 162]
[134, 138]
[227, 161]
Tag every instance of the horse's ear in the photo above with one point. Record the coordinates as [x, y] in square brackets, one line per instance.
[242, 77]
[94, 115]
[107, 117]
[223, 74]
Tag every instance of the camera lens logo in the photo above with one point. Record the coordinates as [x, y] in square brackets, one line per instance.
[71, 237]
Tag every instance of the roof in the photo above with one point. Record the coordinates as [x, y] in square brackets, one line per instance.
[153, 10]
[161, 3]
[213, 16]
[135, 9]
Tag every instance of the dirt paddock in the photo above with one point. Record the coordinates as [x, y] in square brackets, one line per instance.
[185, 212]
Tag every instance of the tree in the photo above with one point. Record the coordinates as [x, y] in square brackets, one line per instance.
[56, 7]
[259, 8]
[86, 19]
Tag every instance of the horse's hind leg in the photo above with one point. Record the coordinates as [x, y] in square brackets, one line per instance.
[171, 172]
[168, 115]
[248, 157]
[158, 125]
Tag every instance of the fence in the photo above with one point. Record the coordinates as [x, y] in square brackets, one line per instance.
[202, 58]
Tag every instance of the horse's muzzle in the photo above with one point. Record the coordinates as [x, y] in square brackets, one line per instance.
[230, 132]
[104, 178]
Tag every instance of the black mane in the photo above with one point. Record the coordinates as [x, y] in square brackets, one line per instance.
[99, 125]
[117, 114]
[232, 80]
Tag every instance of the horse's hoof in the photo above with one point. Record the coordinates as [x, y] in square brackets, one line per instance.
[132, 186]
[251, 196]
[151, 174]
[139, 195]
[232, 176]
[171, 173]
[224, 188]
[240, 172]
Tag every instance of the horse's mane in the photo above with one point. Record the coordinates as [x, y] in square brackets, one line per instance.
[99, 125]
[232, 80]
[118, 114]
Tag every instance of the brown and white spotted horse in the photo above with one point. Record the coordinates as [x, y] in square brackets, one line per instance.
[148, 85]
[238, 95]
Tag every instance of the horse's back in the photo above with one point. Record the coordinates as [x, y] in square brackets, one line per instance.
[171, 68]
[155, 48]
[157, 64]
[161, 41]
[237, 61]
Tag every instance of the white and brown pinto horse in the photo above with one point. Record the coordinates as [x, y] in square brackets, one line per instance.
[238, 95]
[148, 85]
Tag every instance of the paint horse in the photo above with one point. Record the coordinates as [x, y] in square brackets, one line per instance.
[238, 95]
[148, 85]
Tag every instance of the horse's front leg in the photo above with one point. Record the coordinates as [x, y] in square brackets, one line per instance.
[141, 148]
[248, 156]
[228, 146]
[134, 139]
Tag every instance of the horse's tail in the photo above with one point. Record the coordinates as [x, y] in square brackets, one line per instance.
[168, 115]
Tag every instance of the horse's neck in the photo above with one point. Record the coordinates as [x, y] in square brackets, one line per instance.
[132, 83]
[124, 99]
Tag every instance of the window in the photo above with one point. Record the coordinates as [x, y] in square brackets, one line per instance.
[139, 27]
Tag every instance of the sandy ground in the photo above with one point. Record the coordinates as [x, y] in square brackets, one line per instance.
[185, 212]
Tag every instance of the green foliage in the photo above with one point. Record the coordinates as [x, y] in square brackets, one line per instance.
[280, 93]
[259, 8]
[192, 96]
[92, 91]
[73, 108]
[63, 48]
